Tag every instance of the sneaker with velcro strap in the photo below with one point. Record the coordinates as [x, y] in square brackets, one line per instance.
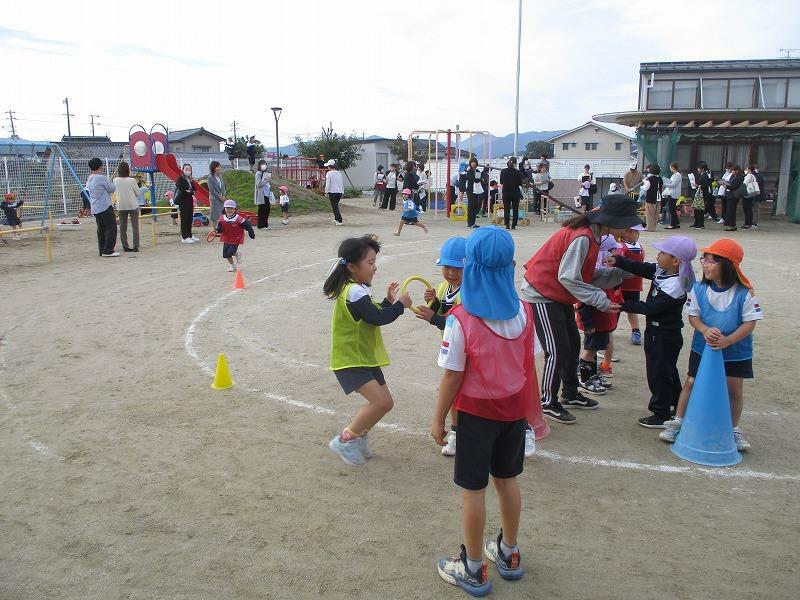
[580, 401]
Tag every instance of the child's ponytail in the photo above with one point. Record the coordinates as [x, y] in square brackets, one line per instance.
[351, 251]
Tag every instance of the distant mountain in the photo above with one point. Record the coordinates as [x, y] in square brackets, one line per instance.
[504, 146]
[291, 150]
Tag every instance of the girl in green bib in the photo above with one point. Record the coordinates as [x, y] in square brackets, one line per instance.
[357, 350]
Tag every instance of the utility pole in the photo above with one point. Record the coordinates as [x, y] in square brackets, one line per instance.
[235, 139]
[69, 129]
[11, 114]
[92, 118]
[516, 101]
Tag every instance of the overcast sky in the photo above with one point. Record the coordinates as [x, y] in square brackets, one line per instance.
[365, 65]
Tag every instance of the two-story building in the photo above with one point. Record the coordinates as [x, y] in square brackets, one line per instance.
[194, 140]
[738, 111]
[592, 141]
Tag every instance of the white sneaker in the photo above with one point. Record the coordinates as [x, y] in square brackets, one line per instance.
[188, 241]
[238, 256]
[602, 355]
[449, 449]
[23, 235]
[363, 446]
[112, 255]
[720, 221]
[285, 221]
[231, 268]
[742, 444]
[195, 239]
[530, 443]
[671, 432]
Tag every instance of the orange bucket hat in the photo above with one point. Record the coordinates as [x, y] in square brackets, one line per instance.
[733, 251]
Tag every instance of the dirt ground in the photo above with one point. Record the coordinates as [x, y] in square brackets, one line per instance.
[124, 475]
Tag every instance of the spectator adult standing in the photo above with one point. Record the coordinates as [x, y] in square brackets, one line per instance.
[216, 192]
[379, 184]
[251, 153]
[652, 187]
[230, 150]
[761, 196]
[511, 183]
[474, 192]
[632, 179]
[100, 189]
[127, 205]
[671, 192]
[334, 187]
[752, 191]
[734, 191]
[587, 189]
[262, 198]
[562, 273]
[390, 192]
[422, 192]
[543, 161]
[721, 189]
[541, 187]
[410, 178]
[185, 201]
[704, 182]
[321, 161]
[485, 185]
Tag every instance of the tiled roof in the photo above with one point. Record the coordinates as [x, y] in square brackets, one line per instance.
[181, 134]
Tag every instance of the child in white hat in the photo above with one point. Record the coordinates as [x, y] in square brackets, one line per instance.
[231, 227]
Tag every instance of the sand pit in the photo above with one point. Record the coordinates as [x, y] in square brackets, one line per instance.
[126, 476]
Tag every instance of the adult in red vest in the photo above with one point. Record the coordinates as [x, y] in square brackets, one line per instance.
[562, 273]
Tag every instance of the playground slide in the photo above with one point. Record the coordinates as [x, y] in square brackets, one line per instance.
[168, 165]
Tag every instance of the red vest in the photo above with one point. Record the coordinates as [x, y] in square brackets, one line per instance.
[601, 321]
[500, 376]
[542, 269]
[632, 284]
[232, 232]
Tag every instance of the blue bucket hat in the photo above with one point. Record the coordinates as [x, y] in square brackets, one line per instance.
[453, 253]
[487, 290]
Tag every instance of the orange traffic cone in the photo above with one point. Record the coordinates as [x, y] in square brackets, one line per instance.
[238, 283]
[222, 376]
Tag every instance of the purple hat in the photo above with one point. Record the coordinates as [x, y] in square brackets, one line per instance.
[638, 228]
[684, 249]
[607, 244]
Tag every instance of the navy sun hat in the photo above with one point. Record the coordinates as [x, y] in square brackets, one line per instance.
[453, 253]
[487, 289]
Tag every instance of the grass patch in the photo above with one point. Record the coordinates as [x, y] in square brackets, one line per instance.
[241, 185]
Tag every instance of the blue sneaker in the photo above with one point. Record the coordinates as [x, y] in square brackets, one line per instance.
[455, 572]
[363, 446]
[349, 452]
[636, 338]
[508, 567]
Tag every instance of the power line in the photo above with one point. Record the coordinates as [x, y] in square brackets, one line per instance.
[69, 128]
[91, 117]
[11, 118]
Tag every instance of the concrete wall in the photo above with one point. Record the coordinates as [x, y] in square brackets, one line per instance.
[604, 139]
[188, 144]
[364, 170]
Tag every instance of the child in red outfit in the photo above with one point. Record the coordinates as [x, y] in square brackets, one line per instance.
[232, 227]
[632, 286]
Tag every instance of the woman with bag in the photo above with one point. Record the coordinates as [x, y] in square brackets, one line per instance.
[127, 206]
[752, 192]
[734, 191]
[216, 193]
[652, 188]
[379, 185]
[262, 194]
[588, 188]
[670, 195]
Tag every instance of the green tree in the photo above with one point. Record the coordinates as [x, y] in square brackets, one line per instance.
[344, 149]
[535, 149]
[240, 147]
[419, 150]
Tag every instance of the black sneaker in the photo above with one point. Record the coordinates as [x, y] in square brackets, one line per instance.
[653, 422]
[580, 401]
[555, 412]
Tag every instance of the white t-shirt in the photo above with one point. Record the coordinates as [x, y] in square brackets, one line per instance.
[284, 199]
[452, 353]
[751, 311]
[357, 292]
[334, 183]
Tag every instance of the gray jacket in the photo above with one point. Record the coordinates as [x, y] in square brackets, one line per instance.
[216, 189]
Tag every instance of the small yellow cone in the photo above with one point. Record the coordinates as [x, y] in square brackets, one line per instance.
[222, 378]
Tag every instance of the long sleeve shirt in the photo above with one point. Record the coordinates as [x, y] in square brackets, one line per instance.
[672, 186]
[364, 308]
[334, 183]
[631, 180]
[100, 190]
[664, 304]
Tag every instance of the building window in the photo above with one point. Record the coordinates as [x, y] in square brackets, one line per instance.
[685, 94]
[618, 146]
[774, 92]
[740, 94]
[793, 96]
[715, 93]
[659, 96]
[590, 146]
[565, 146]
[201, 148]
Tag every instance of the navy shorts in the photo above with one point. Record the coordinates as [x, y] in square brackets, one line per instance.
[733, 368]
[486, 447]
[354, 377]
[409, 220]
[229, 250]
[596, 341]
[284, 208]
[631, 296]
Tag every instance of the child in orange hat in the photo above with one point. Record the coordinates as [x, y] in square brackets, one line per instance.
[723, 310]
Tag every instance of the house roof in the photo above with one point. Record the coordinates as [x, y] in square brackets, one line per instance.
[615, 131]
[179, 135]
[701, 66]
[16, 146]
[731, 118]
[86, 149]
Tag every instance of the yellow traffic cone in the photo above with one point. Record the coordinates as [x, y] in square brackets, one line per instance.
[222, 377]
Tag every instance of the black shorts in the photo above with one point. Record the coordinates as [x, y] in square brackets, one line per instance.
[409, 220]
[354, 377]
[229, 250]
[631, 296]
[284, 208]
[251, 160]
[484, 447]
[733, 368]
[596, 341]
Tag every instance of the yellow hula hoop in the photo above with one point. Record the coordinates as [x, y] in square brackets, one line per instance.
[423, 281]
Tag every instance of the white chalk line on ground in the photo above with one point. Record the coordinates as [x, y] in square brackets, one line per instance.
[548, 455]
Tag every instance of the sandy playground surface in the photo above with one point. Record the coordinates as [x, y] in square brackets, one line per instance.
[124, 475]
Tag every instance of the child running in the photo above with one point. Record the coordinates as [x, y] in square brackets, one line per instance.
[357, 350]
[442, 300]
[410, 214]
[10, 207]
[490, 379]
[632, 286]
[232, 227]
[672, 277]
[284, 199]
[723, 310]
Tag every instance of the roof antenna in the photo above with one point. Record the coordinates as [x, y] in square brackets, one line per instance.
[789, 52]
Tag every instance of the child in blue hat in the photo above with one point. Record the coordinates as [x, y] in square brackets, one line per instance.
[490, 379]
[442, 300]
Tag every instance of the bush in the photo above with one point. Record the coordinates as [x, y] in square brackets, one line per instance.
[352, 192]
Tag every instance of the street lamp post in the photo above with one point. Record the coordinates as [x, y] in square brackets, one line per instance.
[276, 111]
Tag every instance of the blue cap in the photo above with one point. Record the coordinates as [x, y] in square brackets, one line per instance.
[453, 253]
[462, 166]
[487, 289]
